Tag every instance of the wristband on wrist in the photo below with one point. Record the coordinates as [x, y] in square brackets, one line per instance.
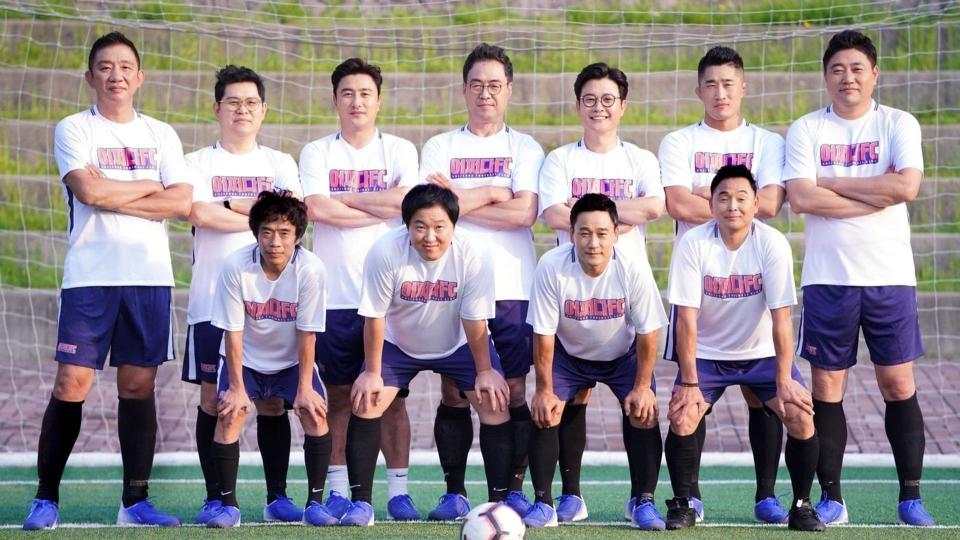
[690, 384]
[226, 204]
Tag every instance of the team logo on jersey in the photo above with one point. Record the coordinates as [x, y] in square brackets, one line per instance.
[364, 181]
[480, 167]
[848, 155]
[594, 309]
[425, 291]
[240, 186]
[710, 162]
[615, 188]
[127, 159]
[735, 286]
[272, 309]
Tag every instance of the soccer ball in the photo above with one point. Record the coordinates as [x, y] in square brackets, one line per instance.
[492, 521]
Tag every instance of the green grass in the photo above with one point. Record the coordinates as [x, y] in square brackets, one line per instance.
[605, 490]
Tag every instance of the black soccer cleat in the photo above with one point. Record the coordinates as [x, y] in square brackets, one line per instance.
[680, 515]
[803, 517]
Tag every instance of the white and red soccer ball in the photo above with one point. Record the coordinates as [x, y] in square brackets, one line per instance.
[492, 521]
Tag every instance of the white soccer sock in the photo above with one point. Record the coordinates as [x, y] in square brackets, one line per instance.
[397, 482]
[337, 480]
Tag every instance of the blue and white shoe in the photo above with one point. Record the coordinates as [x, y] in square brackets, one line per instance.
[316, 514]
[401, 508]
[337, 504]
[831, 511]
[227, 518]
[540, 515]
[208, 510]
[571, 508]
[628, 511]
[519, 502]
[452, 507]
[646, 517]
[697, 505]
[912, 512]
[44, 515]
[360, 514]
[769, 511]
[282, 509]
[144, 513]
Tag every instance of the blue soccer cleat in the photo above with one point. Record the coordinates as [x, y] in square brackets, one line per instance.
[316, 514]
[401, 508]
[208, 510]
[227, 518]
[337, 504]
[769, 511]
[540, 515]
[44, 514]
[646, 517]
[697, 505]
[144, 513]
[831, 511]
[360, 514]
[452, 506]
[911, 512]
[571, 508]
[519, 502]
[628, 511]
[282, 509]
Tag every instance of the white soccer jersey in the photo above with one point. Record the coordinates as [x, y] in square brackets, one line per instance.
[270, 312]
[865, 251]
[331, 165]
[107, 248]
[423, 301]
[220, 176]
[691, 156]
[506, 159]
[595, 318]
[626, 172]
[733, 290]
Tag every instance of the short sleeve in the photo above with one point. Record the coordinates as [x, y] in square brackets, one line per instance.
[800, 157]
[674, 158]
[406, 167]
[288, 176]
[544, 311]
[769, 169]
[778, 285]
[173, 167]
[313, 171]
[478, 302]
[685, 287]
[554, 184]
[432, 158]
[526, 168]
[646, 307]
[649, 183]
[312, 297]
[202, 190]
[906, 145]
[377, 290]
[71, 147]
[228, 313]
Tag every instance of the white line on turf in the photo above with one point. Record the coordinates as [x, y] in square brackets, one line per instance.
[728, 482]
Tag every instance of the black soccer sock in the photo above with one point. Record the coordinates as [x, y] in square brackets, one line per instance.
[905, 431]
[766, 441]
[573, 440]
[801, 457]
[544, 452]
[522, 426]
[643, 455]
[682, 461]
[273, 439]
[226, 459]
[316, 458]
[701, 434]
[137, 430]
[831, 424]
[206, 425]
[496, 443]
[58, 433]
[363, 445]
[453, 433]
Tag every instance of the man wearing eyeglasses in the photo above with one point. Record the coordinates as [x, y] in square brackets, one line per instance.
[493, 170]
[602, 163]
[232, 174]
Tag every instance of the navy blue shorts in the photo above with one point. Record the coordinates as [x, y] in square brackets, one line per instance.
[398, 368]
[572, 374]
[760, 376]
[132, 323]
[833, 316]
[260, 386]
[202, 353]
[340, 348]
[513, 337]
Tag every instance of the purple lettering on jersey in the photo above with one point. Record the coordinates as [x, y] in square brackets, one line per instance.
[848, 155]
[272, 309]
[365, 181]
[126, 159]
[425, 291]
[594, 309]
[710, 162]
[240, 186]
[480, 167]
[617, 189]
[736, 286]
